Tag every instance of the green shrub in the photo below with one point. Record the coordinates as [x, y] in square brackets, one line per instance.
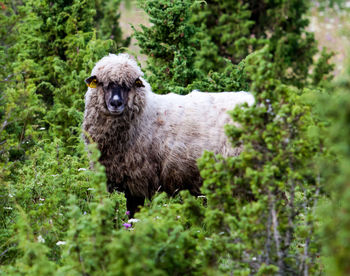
[257, 212]
[169, 44]
[232, 30]
[333, 211]
[202, 45]
[262, 202]
[49, 48]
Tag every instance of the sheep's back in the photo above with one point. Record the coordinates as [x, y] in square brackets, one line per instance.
[184, 126]
[195, 122]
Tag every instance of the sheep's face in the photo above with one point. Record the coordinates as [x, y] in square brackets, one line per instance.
[117, 79]
[116, 97]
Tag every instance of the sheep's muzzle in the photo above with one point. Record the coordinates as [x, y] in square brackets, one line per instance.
[116, 98]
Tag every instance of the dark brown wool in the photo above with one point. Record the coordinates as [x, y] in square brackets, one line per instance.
[154, 143]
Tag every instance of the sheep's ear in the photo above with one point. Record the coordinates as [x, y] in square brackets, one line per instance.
[138, 83]
[91, 81]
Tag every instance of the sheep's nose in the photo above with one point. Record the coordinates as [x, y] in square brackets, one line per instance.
[116, 103]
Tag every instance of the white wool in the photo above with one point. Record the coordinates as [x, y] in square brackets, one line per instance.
[114, 67]
[154, 145]
[195, 120]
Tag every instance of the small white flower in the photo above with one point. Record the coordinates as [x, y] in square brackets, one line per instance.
[54, 175]
[178, 217]
[42, 128]
[60, 243]
[82, 169]
[8, 208]
[41, 199]
[84, 213]
[41, 239]
[221, 233]
[201, 196]
[133, 220]
[90, 189]
[253, 259]
[10, 195]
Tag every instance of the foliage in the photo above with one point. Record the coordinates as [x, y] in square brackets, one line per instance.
[194, 44]
[56, 47]
[334, 211]
[271, 216]
[51, 48]
[225, 33]
[107, 21]
[169, 43]
[257, 212]
[232, 30]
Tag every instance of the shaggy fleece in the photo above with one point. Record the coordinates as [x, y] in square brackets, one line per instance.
[153, 146]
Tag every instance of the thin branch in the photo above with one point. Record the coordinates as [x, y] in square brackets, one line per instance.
[276, 235]
[268, 239]
[291, 213]
[305, 265]
[5, 123]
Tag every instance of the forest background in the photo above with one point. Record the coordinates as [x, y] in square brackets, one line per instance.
[280, 208]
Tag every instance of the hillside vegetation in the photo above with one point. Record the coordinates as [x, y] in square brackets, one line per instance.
[279, 208]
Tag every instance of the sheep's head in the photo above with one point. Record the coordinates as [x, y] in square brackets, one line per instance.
[117, 80]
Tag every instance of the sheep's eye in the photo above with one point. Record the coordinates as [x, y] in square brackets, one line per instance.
[139, 83]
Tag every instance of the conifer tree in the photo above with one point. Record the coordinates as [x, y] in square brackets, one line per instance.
[262, 201]
[212, 37]
[334, 210]
[258, 215]
[51, 49]
[232, 30]
[107, 21]
[55, 48]
[169, 44]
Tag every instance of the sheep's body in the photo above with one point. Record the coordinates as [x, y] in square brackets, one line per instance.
[154, 145]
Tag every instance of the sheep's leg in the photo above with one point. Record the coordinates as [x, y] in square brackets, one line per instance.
[133, 203]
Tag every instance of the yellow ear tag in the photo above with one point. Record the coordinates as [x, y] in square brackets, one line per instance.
[93, 83]
[139, 83]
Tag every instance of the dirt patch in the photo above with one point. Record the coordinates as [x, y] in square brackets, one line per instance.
[132, 15]
[331, 28]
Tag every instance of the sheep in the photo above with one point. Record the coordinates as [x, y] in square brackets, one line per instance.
[150, 142]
